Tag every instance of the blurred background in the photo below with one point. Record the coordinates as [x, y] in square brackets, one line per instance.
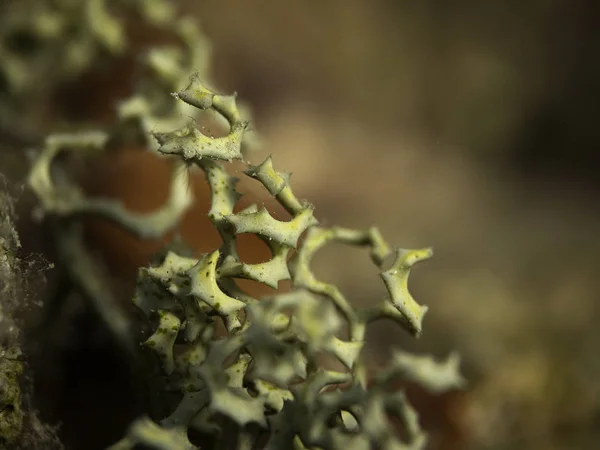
[468, 127]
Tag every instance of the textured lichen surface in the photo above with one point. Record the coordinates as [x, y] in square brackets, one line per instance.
[265, 368]
[246, 366]
[249, 372]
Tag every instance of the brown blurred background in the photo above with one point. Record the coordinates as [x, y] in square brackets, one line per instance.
[468, 127]
[471, 127]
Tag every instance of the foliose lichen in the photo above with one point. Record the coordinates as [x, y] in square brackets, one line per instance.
[248, 372]
[265, 369]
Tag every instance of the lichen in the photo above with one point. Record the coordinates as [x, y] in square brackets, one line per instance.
[264, 371]
[246, 369]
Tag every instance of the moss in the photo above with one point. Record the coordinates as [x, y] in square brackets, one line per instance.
[11, 413]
